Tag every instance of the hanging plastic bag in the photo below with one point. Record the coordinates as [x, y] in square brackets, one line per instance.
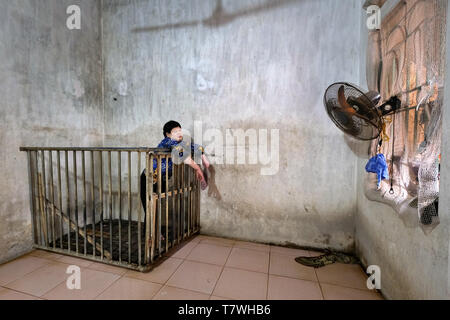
[378, 165]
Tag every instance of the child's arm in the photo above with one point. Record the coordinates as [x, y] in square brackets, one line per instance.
[198, 170]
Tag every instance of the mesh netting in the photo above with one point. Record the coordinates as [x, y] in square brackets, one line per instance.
[408, 60]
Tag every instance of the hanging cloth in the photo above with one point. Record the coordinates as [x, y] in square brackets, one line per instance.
[378, 165]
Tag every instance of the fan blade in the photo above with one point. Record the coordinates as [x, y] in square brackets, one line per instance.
[343, 102]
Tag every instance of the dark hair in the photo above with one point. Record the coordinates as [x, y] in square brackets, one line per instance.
[169, 126]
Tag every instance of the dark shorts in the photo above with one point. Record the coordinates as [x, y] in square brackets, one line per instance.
[155, 188]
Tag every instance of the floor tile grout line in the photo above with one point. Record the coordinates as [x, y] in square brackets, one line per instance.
[176, 269]
[46, 265]
[15, 290]
[320, 285]
[268, 276]
[221, 271]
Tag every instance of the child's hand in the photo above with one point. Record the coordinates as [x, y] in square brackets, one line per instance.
[201, 178]
[205, 161]
[199, 175]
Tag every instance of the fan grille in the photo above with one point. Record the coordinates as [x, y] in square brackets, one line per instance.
[363, 121]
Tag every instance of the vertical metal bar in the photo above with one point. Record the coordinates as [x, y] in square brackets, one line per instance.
[52, 196]
[44, 194]
[93, 204]
[159, 203]
[173, 204]
[184, 200]
[101, 203]
[167, 203]
[180, 199]
[189, 201]
[152, 213]
[129, 207]
[83, 163]
[61, 221]
[148, 208]
[110, 207]
[38, 198]
[119, 164]
[139, 209]
[32, 196]
[68, 200]
[76, 198]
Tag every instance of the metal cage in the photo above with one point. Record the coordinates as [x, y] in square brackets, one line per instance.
[95, 211]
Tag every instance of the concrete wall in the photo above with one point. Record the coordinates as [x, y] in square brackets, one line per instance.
[413, 265]
[50, 84]
[264, 69]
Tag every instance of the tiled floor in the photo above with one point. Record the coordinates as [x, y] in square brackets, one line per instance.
[203, 268]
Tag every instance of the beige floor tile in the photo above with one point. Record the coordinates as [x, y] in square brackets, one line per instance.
[249, 259]
[209, 253]
[282, 288]
[107, 268]
[218, 298]
[285, 265]
[41, 280]
[16, 269]
[182, 250]
[332, 292]
[172, 293]
[93, 283]
[195, 276]
[7, 294]
[289, 251]
[46, 254]
[346, 275]
[130, 289]
[252, 245]
[159, 274]
[75, 261]
[241, 284]
[217, 241]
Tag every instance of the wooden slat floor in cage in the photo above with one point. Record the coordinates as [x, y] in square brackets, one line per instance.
[115, 240]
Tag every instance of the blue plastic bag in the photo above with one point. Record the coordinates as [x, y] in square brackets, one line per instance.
[378, 165]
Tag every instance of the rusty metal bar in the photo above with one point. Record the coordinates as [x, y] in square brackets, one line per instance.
[110, 205]
[119, 165]
[129, 206]
[83, 166]
[44, 195]
[139, 209]
[94, 230]
[189, 202]
[159, 203]
[101, 203]
[183, 186]
[68, 199]
[179, 203]
[61, 223]
[173, 205]
[52, 196]
[76, 198]
[152, 212]
[140, 149]
[32, 195]
[147, 212]
[38, 198]
[167, 203]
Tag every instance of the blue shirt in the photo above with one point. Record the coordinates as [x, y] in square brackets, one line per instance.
[169, 143]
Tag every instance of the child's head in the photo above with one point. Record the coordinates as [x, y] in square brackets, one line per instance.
[172, 129]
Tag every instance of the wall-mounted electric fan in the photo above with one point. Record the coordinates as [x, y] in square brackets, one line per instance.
[355, 112]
